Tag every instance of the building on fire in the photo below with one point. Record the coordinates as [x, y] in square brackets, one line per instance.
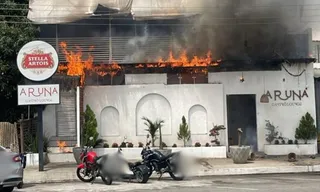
[244, 81]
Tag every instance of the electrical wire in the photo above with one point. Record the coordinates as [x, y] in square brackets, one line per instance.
[294, 75]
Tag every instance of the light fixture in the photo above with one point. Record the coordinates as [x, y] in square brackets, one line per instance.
[264, 98]
[242, 78]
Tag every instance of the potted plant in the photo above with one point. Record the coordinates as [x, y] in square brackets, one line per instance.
[184, 133]
[306, 130]
[240, 154]
[214, 132]
[153, 128]
[197, 144]
[140, 144]
[31, 147]
[89, 131]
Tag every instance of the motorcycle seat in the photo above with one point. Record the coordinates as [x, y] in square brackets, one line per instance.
[168, 156]
[134, 164]
[100, 157]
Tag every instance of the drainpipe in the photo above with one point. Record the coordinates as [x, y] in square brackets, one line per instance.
[78, 115]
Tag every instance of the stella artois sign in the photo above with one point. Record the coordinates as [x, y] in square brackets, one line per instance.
[37, 60]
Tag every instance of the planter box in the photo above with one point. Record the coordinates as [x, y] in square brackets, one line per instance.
[128, 153]
[197, 152]
[203, 152]
[33, 159]
[61, 158]
[300, 149]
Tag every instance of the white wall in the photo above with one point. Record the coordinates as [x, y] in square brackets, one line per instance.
[286, 117]
[154, 78]
[119, 110]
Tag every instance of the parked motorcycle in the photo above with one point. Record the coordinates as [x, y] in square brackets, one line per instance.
[160, 163]
[91, 166]
[137, 170]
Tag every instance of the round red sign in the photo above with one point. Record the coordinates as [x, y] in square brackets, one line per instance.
[37, 60]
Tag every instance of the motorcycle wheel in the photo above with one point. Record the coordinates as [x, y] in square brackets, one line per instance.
[141, 177]
[107, 179]
[151, 171]
[20, 185]
[174, 176]
[79, 171]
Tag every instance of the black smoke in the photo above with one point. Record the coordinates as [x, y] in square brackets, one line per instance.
[244, 30]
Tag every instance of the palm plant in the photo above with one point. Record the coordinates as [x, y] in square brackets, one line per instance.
[153, 127]
[184, 133]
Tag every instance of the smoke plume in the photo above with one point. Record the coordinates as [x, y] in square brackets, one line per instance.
[243, 30]
[240, 29]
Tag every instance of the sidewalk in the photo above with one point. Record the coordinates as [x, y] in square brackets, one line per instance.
[205, 167]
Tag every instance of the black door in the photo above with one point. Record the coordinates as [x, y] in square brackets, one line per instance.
[241, 113]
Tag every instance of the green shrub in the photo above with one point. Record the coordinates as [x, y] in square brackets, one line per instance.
[31, 143]
[184, 133]
[130, 145]
[140, 144]
[153, 127]
[164, 144]
[106, 145]
[306, 130]
[197, 144]
[90, 127]
[123, 145]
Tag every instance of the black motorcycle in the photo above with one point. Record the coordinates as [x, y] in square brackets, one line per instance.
[160, 163]
[138, 170]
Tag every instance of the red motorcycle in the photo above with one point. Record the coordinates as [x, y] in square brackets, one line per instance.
[91, 167]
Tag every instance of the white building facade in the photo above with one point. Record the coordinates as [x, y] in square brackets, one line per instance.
[224, 100]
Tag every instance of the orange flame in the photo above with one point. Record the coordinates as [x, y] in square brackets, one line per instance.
[184, 61]
[76, 66]
[61, 145]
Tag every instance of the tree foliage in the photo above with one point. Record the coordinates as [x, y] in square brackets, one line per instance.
[184, 133]
[15, 31]
[306, 130]
[90, 128]
[153, 128]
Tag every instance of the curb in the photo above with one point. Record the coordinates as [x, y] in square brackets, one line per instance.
[62, 176]
[261, 170]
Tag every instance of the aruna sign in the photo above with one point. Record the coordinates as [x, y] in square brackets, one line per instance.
[287, 97]
[37, 60]
[38, 94]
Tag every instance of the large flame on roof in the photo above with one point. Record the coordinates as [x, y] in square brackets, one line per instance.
[77, 66]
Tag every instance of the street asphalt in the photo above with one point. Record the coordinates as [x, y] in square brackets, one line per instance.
[263, 183]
